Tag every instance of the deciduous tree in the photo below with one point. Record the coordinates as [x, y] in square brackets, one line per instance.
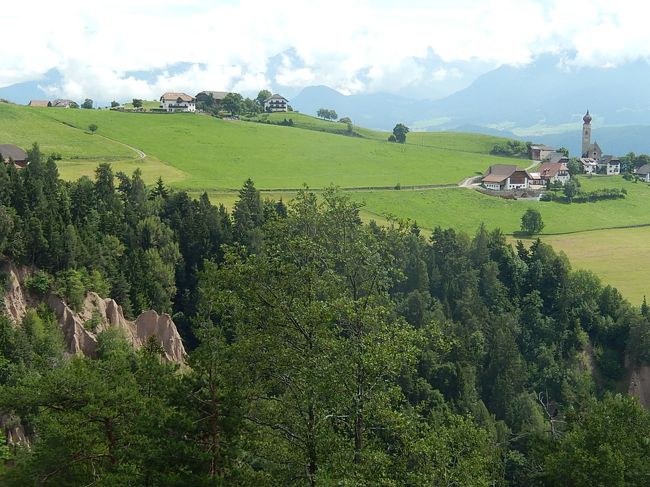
[399, 132]
[531, 221]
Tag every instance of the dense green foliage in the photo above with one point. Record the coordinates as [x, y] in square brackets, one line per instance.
[399, 133]
[531, 221]
[322, 351]
[572, 194]
[327, 114]
[512, 148]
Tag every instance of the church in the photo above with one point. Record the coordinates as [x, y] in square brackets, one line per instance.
[593, 161]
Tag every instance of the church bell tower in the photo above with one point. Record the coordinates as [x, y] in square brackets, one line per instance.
[586, 134]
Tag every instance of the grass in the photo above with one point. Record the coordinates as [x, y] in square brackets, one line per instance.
[458, 141]
[146, 104]
[466, 210]
[308, 122]
[216, 155]
[25, 125]
[151, 169]
[618, 257]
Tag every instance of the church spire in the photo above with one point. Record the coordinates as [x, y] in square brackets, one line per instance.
[587, 117]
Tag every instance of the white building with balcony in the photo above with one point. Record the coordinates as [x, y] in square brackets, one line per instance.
[177, 102]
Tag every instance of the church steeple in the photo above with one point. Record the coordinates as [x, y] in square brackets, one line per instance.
[586, 134]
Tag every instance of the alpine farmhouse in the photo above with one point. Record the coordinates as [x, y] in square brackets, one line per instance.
[276, 103]
[177, 102]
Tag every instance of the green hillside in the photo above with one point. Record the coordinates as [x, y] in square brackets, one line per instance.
[215, 154]
[466, 210]
[24, 125]
[308, 122]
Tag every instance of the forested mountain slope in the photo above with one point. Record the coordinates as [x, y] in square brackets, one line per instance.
[321, 350]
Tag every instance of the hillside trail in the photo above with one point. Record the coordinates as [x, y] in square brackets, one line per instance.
[141, 154]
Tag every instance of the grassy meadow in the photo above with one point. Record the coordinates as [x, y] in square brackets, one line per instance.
[25, 125]
[215, 154]
[617, 256]
[308, 122]
[466, 209]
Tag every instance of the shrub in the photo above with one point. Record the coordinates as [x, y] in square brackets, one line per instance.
[39, 283]
[94, 281]
[4, 281]
[93, 322]
[512, 148]
[68, 285]
[587, 197]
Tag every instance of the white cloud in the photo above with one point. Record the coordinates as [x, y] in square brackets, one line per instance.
[351, 45]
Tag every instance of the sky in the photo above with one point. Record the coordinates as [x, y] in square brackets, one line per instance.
[120, 49]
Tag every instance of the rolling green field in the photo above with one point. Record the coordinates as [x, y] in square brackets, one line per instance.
[457, 141]
[313, 123]
[213, 154]
[618, 257]
[466, 209]
[26, 125]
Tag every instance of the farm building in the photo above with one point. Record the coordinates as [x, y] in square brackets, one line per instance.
[177, 102]
[589, 165]
[503, 177]
[644, 172]
[276, 103]
[10, 152]
[40, 103]
[217, 96]
[540, 152]
[554, 171]
[63, 103]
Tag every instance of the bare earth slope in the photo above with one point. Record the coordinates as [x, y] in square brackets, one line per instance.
[80, 338]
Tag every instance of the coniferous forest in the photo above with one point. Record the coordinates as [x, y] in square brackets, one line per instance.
[322, 351]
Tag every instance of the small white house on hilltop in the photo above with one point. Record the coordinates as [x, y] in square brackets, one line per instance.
[276, 103]
[177, 102]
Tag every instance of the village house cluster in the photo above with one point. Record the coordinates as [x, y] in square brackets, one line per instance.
[554, 167]
[172, 102]
[182, 102]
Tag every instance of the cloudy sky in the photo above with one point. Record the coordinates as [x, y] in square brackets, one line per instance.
[124, 48]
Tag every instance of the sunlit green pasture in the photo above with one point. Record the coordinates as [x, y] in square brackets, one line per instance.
[217, 154]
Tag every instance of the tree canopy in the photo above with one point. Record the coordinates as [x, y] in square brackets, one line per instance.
[399, 133]
[322, 350]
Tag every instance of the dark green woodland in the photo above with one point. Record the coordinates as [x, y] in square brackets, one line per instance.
[322, 351]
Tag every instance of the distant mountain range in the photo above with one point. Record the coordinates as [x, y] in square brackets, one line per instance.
[543, 101]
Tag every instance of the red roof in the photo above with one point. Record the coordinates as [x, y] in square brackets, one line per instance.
[549, 170]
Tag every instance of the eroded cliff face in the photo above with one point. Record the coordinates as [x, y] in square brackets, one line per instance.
[80, 329]
[15, 300]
